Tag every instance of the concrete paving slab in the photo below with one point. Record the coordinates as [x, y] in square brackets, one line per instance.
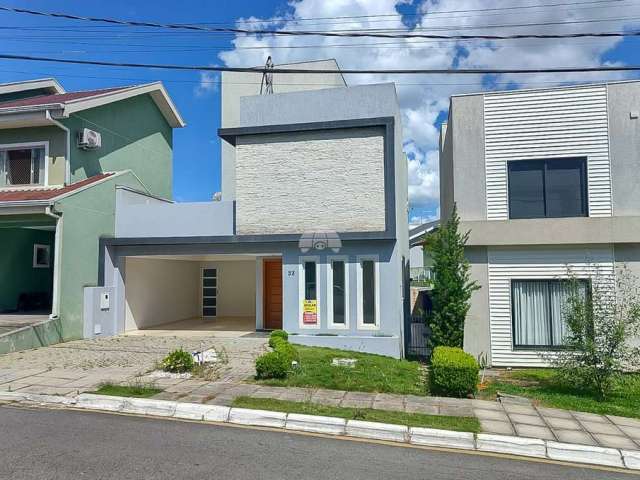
[601, 428]
[456, 411]
[486, 405]
[534, 431]
[527, 419]
[574, 436]
[47, 390]
[411, 407]
[168, 396]
[491, 415]
[590, 417]
[495, 426]
[627, 422]
[563, 423]
[397, 405]
[633, 432]
[519, 409]
[554, 412]
[615, 441]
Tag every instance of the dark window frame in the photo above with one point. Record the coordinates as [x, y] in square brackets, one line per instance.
[584, 177]
[551, 347]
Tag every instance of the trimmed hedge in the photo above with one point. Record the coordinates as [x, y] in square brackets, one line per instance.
[276, 364]
[178, 361]
[453, 373]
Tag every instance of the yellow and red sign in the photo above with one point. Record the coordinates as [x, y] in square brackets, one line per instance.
[310, 312]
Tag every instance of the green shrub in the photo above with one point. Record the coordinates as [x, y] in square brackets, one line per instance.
[453, 372]
[278, 334]
[275, 341]
[272, 365]
[288, 350]
[178, 361]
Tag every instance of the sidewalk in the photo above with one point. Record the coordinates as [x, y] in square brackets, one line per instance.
[504, 418]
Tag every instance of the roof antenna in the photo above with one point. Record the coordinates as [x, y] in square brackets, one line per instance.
[266, 86]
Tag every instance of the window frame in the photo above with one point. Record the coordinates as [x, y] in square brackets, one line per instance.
[46, 248]
[301, 291]
[551, 347]
[24, 145]
[330, 322]
[584, 176]
[360, 294]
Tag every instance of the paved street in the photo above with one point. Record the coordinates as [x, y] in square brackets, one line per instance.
[62, 444]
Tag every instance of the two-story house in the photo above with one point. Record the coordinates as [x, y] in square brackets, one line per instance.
[310, 234]
[61, 156]
[547, 180]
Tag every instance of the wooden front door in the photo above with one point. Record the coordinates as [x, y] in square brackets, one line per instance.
[272, 297]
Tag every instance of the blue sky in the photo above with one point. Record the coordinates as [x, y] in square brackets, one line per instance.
[424, 100]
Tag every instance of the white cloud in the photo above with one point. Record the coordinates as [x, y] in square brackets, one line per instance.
[209, 82]
[425, 98]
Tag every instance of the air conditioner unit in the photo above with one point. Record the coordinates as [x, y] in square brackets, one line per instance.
[89, 139]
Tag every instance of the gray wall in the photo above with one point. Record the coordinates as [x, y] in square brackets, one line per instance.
[447, 186]
[624, 147]
[139, 215]
[477, 333]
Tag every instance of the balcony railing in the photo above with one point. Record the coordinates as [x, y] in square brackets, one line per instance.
[421, 276]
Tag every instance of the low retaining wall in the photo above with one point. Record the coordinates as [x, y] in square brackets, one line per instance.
[41, 334]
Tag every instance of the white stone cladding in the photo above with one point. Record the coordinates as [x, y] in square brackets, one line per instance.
[310, 181]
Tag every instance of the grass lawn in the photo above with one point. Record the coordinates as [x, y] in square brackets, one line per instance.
[138, 391]
[540, 385]
[372, 373]
[460, 424]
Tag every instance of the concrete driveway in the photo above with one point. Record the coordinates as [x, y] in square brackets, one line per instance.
[82, 365]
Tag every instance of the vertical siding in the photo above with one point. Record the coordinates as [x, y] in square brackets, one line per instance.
[533, 263]
[545, 124]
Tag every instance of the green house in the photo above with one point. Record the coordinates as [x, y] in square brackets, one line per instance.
[62, 155]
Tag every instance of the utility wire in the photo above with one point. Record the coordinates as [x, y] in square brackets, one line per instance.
[371, 34]
[209, 68]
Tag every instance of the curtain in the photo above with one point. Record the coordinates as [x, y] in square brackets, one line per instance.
[530, 313]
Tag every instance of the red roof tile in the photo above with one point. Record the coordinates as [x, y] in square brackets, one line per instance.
[47, 193]
[57, 98]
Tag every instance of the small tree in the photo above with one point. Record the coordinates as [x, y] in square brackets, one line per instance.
[452, 286]
[600, 324]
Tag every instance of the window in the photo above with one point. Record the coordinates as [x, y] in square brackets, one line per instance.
[309, 293]
[368, 297]
[537, 311]
[22, 165]
[41, 256]
[548, 188]
[337, 292]
[209, 292]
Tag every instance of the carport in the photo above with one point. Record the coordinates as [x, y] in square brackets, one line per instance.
[208, 293]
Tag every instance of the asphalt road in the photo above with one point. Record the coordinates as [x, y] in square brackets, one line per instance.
[63, 444]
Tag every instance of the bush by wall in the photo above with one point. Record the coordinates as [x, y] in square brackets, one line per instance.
[453, 372]
[178, 361]
[276, 364]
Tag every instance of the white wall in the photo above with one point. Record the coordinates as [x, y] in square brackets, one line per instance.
[530, 125]
[236, 287]
[160, 291]
[310, 181]
[506, 264]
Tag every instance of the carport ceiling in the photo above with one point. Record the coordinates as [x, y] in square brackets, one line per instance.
[204, 258]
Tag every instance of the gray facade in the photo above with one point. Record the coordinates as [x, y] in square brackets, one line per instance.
[214, 232]
[485, 133]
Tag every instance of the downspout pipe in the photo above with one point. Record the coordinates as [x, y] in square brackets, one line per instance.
[67, 163]
[57, 251]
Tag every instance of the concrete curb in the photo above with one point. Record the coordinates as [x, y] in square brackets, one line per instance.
[530, 447]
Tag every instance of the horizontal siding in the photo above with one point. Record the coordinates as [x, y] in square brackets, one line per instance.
[532, 263]
[547, 124]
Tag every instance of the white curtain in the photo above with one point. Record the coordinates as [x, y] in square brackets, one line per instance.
[538, 309]
[531, 313]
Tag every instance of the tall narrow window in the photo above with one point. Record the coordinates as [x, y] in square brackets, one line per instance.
[339, 292]
[310, 286]
[22, 166]
[368, 311]
[538, 311]
[209, 292]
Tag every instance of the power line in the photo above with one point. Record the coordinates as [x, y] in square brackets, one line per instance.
[465, 71]
[372, 34]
